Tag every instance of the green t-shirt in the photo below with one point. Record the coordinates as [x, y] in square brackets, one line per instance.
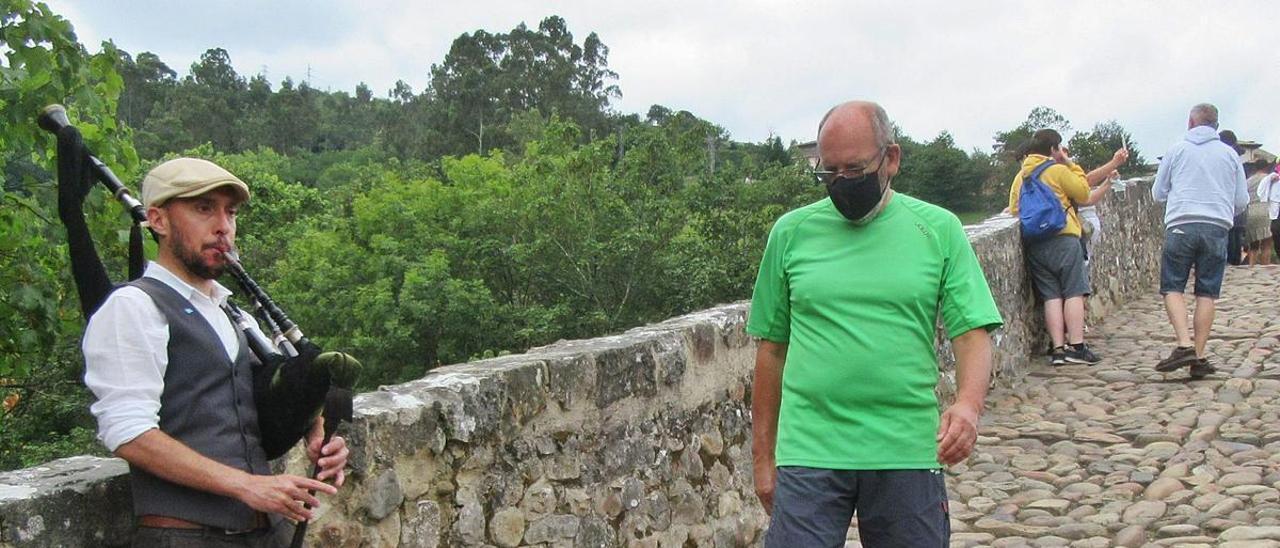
[857, 306]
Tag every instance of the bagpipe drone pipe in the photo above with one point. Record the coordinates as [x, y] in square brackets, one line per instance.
[293, 379]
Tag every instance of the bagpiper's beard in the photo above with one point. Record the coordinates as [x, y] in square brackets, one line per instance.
[191, 259]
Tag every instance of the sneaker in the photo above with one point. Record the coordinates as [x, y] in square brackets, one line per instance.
[1202, 368]
[1080, 353]
[1180, 356]
[1058, 356]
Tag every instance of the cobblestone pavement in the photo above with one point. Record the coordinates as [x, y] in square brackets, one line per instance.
[1120, 455]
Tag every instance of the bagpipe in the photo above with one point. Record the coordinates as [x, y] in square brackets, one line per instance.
[293, 380]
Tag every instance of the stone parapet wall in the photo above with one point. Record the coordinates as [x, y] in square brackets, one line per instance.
[636, 439]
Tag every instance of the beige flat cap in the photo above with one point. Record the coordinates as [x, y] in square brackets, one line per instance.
[187, 177]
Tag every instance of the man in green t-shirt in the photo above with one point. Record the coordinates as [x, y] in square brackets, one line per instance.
[844, 415]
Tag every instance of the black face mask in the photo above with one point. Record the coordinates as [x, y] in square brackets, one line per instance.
[856, 197]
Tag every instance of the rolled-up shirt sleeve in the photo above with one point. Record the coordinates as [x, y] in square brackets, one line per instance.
[126, 354]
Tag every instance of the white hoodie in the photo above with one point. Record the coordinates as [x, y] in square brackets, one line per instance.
[1202, 180]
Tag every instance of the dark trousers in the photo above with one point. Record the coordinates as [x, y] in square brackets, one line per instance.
[154, 537]
[1275, 237]
[1235, 241]
[812, 507]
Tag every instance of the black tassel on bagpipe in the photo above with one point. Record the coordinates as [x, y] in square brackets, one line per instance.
[75, 178]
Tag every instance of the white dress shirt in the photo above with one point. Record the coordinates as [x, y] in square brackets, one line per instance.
[126, 354]
[1270, 195]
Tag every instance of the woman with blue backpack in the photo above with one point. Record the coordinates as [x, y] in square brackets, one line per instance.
[1044, 196]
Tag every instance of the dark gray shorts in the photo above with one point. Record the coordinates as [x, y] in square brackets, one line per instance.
[1198, 246]
[1057, 268]
[812, 507]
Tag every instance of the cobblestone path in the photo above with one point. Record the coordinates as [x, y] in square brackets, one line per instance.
[1120, 455]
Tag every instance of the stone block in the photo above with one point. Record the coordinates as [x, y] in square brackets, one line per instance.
[76, 501]
[658, 508]
[384, 533]
[468, 526]
[625, 372]
[571, 379]
[578, 500]
[564, 467]
[421, 525]
[671, 359]
[539, 499]
[417, 474]
[384, 495]
[552, 529]
[712, 442]
[626, 449]
[594, 533]
[507, 527]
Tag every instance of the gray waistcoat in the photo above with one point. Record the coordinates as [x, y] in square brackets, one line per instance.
[207, 404]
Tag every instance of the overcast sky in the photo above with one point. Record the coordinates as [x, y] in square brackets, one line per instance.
[758, 67]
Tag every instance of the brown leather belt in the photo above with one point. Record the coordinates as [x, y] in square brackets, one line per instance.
[166, 522]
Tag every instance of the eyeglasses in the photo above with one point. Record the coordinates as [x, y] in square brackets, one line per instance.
[826, 177]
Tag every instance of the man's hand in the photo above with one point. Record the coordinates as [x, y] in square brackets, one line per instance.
[332, 458]
[766, 478]
[283, 494]
[957, 433]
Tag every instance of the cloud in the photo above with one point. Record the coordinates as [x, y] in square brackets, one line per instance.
[760, 66]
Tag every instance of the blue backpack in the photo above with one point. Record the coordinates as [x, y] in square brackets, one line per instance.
[1039, 210]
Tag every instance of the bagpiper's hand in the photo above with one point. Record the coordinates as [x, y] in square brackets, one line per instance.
[332, 457]
[283, 494]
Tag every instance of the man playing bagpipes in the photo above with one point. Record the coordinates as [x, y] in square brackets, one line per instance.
[179, 393]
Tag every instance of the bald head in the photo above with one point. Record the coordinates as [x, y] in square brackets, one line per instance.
[858, 113]
[857, 136]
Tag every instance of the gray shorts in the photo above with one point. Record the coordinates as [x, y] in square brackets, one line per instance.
[812, 507]
[1057, 268]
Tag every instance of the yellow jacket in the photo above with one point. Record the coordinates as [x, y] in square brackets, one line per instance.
[1067, 181]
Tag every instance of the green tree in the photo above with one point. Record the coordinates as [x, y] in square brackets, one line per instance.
[714, 256]
[407, 122]
[293, 117]
[382, 285]
[487, 78]
[40, 319]
[940, 173]
[344, 122]
[588, 233]
[253, 128]
[1008, 143]
[203, 107]
[1007, 151]
[1094, 148]
[147, 81]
